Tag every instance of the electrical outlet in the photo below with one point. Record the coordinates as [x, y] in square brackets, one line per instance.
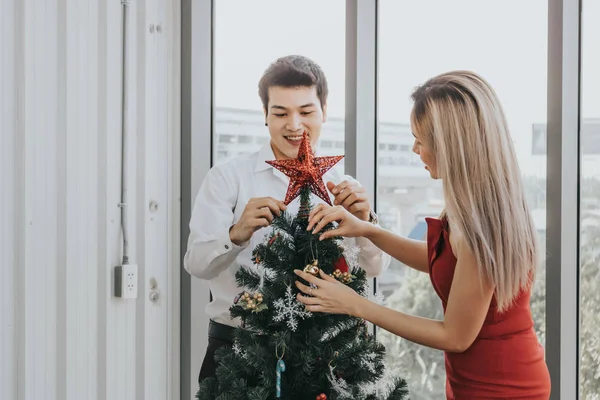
[126, 281]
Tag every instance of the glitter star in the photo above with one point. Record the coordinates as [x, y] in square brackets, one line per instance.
[306, 170]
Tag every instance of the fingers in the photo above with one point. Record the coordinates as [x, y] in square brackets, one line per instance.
[358, 207]
[350, 199]
[264, 213]
[315, 210]
[317, 217]
[272, 204]
[259, 212]
[303, 288]
[339, 188]
[315, 308]
[309, 278]
[333, 216]
[342, 196]
[358, 191]
[327, 277]
[357, 195]
[307, 300]
[331, 233]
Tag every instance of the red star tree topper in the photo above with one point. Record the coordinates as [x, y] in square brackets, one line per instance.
[306, 170]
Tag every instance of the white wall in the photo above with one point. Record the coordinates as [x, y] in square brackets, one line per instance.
[63, 335]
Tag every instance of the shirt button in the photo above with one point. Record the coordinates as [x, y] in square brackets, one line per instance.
[226, 247]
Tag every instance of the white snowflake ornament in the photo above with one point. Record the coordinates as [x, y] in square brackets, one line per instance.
[290, 309]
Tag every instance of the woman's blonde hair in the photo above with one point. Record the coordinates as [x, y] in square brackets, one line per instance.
[459, 117]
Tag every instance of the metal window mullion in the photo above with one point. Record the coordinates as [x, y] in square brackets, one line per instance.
[361, 95]
[562, 227]
[360, 120]
[196, 157]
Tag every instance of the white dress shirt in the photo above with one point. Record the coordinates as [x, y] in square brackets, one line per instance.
[220, 202]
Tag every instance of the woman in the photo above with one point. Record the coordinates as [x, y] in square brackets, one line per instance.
[481, 254]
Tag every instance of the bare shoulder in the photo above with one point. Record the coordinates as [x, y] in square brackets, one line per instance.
[467, 262]
[460, 248]
[456, 241]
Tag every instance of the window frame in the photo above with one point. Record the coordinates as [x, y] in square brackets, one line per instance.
[563, 175]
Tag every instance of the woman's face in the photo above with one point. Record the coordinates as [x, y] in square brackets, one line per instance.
[426, 155]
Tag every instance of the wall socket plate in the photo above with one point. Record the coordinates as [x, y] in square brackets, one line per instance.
[126, 281]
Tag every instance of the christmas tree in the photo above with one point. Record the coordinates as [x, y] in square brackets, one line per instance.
[281, 350]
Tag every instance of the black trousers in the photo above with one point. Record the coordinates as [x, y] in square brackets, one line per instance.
[219, 335]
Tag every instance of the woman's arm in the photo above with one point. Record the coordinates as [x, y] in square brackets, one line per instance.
[408, 251]
[467, 307]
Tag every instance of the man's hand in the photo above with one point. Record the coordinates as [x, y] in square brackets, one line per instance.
[257, 214]
[352, 197]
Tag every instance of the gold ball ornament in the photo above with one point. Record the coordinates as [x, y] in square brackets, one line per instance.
[312, 269]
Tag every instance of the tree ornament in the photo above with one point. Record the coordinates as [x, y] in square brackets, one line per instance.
[250, 302]
[322, 396]
[344, 277]
[313, 268]
[273, 239]
[341, 264]
[306, 170]
[290, 310]
[279, 368]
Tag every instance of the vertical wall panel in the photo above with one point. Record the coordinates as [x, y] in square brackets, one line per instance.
[105, 230]
[8, 57]
[172, 55]
[154, 138]
[19, 191]
[36, 227]
[81, 193]
[113, 348]
[62, 195]
[47, 180]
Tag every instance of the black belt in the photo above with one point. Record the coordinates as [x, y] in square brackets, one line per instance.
[224, 333]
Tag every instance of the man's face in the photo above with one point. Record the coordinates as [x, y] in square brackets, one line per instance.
[291, 111]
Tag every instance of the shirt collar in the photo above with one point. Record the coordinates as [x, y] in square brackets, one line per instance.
[265, 154]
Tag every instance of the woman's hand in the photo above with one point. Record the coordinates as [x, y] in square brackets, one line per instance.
[349, 225]
[329, 296]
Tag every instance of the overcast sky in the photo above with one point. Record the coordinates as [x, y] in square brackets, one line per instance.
[504, 41]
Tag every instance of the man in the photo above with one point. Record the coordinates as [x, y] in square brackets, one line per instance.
[238, 199]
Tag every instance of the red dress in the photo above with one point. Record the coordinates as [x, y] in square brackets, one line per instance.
[506, 360]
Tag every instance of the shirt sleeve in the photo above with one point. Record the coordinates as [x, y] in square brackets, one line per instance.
[210, 250]
[371, 258]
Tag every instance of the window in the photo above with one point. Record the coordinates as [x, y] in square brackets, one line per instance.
[262, 140]
[513, 58]
[326, 144]
[589, 256]
[245, 139]
[241, 59]
[227, 138]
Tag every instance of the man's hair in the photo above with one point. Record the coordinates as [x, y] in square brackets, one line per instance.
[290, 72]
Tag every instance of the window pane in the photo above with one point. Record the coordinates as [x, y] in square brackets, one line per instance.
[244, 47]
[589, 292]
[416, 44]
